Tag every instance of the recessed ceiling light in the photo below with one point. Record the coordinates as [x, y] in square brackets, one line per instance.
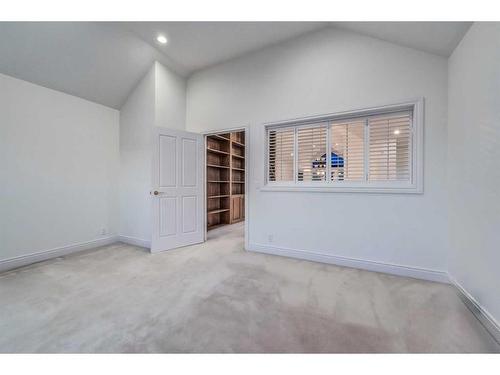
[161, 39]
[396, 131]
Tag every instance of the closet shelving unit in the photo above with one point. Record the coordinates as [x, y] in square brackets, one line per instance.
[225, 179]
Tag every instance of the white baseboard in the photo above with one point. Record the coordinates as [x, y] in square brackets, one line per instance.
[24, 260]
[486, 319]
[135, 241]
[393, 269]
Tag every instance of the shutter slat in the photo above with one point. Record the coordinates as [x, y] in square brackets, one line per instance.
[389, 147]
[311, 143]
[281, 146]
[347, 151]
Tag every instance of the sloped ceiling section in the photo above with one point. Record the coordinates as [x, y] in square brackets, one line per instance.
[439, 38]
[89, 60]
[102, 62]
[197, 45]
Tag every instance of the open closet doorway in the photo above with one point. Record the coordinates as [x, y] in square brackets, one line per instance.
[226, 178]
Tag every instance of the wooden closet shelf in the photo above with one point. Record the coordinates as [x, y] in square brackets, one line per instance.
[217, 166]
[217, 151]
[217, 136]
[217, 211]
[225, 198]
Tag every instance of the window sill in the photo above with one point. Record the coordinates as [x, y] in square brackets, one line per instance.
[406, 189]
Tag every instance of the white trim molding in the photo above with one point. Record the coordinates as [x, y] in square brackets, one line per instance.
[25, 260]
[135, 241]
[486, 319]
[393, 269]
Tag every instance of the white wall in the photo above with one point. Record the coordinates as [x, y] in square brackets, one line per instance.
[170, 99]
[473, 157]
[324, 72]
[137, 118]
[58, 169]
[158, 100]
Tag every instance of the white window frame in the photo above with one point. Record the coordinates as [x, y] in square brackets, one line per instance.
[415, 185]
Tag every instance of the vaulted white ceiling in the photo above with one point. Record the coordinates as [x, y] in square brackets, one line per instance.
[88, 60]
[196, 45]
[102, 62]
[439, 38]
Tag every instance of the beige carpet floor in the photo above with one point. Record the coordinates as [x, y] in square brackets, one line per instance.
[215, 297]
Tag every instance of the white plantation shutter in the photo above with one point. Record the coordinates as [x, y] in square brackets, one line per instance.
[347, 142]
[373, 151]
[389, 147]
[311, 153]
[281, 154]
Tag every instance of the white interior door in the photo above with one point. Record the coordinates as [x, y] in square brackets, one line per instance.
[177, 189]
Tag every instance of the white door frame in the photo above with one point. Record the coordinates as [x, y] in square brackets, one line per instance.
[246, 129]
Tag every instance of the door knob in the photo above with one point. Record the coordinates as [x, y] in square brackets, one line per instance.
[156, 192]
